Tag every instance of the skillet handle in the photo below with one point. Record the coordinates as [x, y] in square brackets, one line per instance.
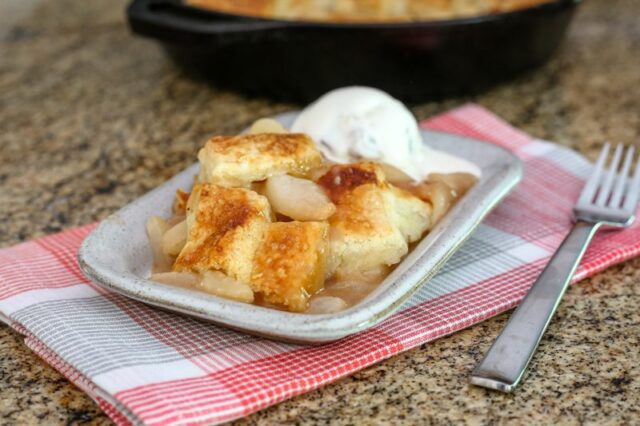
[172, 20]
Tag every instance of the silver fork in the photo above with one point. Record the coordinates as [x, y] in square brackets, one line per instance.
[608, 198]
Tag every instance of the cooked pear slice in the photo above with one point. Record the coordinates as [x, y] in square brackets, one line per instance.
[299, 199]
[174, 239]
[179, 279]
[156, 228]
[219, 284]
[326, 305]
[267, 125]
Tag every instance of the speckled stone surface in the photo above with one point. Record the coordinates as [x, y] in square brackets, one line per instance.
[91, 118]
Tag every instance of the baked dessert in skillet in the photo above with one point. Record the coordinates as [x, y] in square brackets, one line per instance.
[364, 10]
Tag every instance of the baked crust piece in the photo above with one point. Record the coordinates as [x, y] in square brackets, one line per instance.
[233, 161]
[373, 221]
[225, 227]
[290, 263]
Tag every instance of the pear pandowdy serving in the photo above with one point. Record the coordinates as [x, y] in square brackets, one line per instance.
[269, 221]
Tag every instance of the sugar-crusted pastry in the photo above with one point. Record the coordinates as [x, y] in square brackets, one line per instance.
[290, 263]
[224, 228]
[233, 161]
[373, 220]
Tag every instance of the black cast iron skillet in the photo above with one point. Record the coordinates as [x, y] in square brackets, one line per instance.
[300, 60]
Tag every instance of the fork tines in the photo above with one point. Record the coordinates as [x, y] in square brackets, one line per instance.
[612, 188]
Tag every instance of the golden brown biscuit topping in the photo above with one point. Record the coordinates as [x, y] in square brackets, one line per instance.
[289, 266]
[225, 226]
[343, 178]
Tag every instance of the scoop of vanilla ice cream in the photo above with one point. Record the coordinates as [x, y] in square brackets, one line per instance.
[355, 123]
[362, 123]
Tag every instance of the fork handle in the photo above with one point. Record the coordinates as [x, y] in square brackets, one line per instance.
[506, 361]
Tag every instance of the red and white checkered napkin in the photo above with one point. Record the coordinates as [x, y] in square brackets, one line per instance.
[147, 366]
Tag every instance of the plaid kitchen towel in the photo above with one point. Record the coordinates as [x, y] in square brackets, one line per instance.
[147, 366]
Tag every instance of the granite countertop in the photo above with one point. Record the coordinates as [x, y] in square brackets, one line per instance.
[92, 117]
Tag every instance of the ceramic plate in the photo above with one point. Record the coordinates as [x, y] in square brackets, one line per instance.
[117, 255]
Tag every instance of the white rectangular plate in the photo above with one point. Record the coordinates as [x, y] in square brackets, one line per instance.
[117, 255]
